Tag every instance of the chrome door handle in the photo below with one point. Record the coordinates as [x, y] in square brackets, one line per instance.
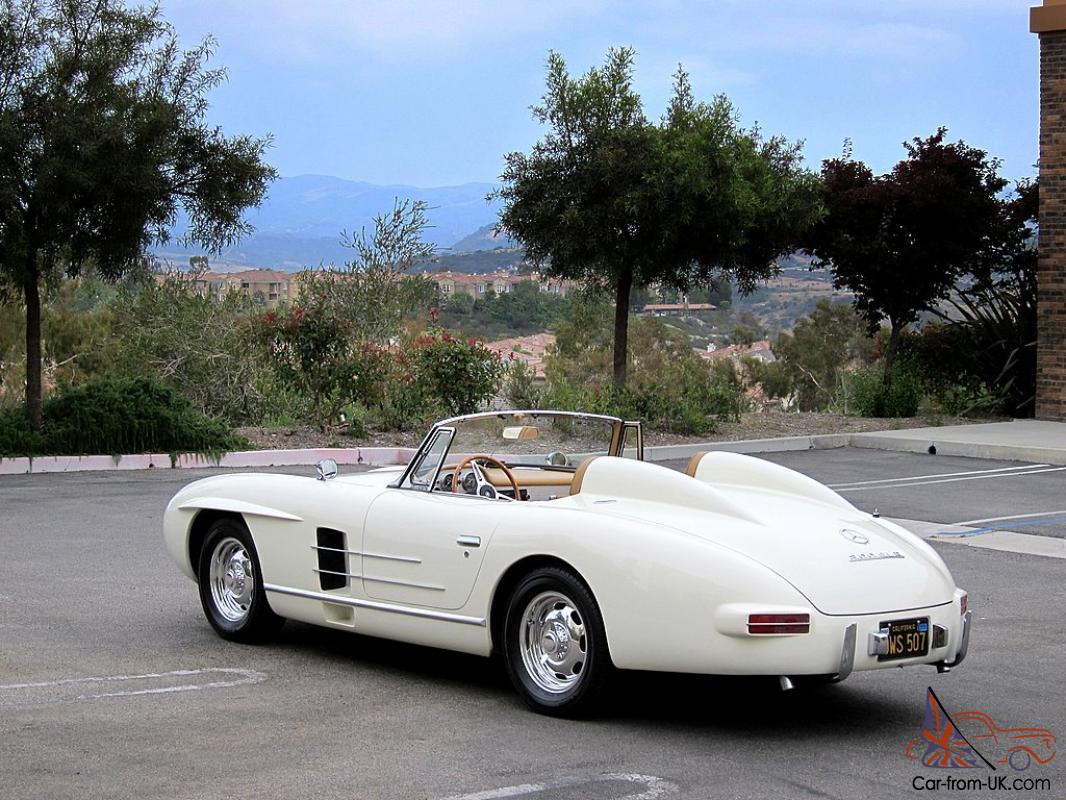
[469, 541]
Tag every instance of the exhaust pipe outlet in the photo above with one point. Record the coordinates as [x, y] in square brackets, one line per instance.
[786, 683]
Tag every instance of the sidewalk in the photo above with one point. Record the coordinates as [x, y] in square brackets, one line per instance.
[1038, 441]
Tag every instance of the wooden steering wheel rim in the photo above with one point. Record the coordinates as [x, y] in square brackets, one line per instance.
[482, 456]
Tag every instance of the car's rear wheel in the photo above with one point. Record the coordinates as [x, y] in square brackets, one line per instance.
[231, 584]
[555, 646]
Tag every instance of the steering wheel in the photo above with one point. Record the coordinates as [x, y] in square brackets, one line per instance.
[483, 487]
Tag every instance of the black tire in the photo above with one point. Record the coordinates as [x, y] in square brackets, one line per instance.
[552, 614]
[236, 608]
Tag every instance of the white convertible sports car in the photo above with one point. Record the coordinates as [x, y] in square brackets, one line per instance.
[543, 535]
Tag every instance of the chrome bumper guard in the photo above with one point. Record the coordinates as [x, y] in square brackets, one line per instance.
[847, 654]
[964, 645]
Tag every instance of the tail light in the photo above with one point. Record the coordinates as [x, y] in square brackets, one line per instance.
[779, 623]
[964, 604]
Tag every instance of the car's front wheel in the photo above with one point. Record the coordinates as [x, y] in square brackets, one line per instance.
[555, 646]
[231, 584]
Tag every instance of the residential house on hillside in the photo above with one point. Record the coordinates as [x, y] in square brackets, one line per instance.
[760, 351]
[266, 286]
[674, 309]
[479, 285]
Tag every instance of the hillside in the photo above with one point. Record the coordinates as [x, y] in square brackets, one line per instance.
[300, 222]
[484, 238]
[792, 294]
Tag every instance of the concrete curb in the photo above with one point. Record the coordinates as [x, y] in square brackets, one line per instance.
[368, 456]
[783, 444]
[387, 456]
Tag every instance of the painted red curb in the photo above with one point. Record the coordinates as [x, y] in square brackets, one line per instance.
[368, 456]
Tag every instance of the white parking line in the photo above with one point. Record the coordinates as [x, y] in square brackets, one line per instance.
[905, 485]
[938, 475]
[1012, 516]
[651, 787]
[73, 689]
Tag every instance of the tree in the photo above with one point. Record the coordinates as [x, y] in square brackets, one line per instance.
[102, 139]
[996, 313]
[610, 199]
[332, 343]
[821, 347]
[901, 241]
[373, 292]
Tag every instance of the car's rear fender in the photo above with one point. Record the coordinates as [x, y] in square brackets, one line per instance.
[657, 588]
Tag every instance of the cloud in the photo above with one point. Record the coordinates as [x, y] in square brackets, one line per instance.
[867, 39]
[389, 29]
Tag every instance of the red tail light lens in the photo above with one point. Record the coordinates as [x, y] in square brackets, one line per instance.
[964, 604]
[779, 623]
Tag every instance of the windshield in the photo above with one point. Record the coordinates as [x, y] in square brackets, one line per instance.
[540, 440]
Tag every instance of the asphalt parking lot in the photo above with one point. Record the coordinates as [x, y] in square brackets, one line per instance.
[113, 685]
[1007, 495]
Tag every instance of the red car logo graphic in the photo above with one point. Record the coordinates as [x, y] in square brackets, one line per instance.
[970, 737]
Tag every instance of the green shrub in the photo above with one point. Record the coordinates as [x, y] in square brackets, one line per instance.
[871, 398]
[668, 386]
[689, 399]
[457, 374]
[118, 415]
[17, 438]
[519, 385]
[402, 403]
[198, 345]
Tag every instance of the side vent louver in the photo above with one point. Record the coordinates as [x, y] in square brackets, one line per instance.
[332, 559]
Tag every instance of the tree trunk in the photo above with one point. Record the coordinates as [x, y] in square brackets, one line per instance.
[890, 351]
[32, 293]
[621, 326]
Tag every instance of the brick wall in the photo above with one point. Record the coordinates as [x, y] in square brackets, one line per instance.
[1051, 300]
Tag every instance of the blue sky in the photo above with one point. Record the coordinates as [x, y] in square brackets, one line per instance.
[435, 93]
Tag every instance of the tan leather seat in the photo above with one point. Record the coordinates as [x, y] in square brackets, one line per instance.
[693, 464]
[579, 474]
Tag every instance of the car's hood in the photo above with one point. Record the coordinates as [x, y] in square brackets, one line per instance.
[843, 560]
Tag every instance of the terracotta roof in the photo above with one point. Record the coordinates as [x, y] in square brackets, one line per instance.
[531, 352]
[259, 275]
[680, 307]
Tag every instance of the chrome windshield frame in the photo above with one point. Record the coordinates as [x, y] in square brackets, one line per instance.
[617, 424]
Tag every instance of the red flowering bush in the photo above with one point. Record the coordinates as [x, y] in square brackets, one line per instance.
[458, 375]
[314, 352]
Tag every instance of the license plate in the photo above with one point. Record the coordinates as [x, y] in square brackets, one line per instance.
[907, 638]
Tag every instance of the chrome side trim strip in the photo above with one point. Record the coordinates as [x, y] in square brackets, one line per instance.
[334, 572]
[430, 586]
[409, 611]
[383, 556]
[406, 559]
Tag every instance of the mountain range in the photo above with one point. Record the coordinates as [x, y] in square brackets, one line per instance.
[300, 222]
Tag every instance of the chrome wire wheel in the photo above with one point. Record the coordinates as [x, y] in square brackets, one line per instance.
[231, 579]
[552, 642]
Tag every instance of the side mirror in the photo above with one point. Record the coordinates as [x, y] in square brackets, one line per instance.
[326, 469]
